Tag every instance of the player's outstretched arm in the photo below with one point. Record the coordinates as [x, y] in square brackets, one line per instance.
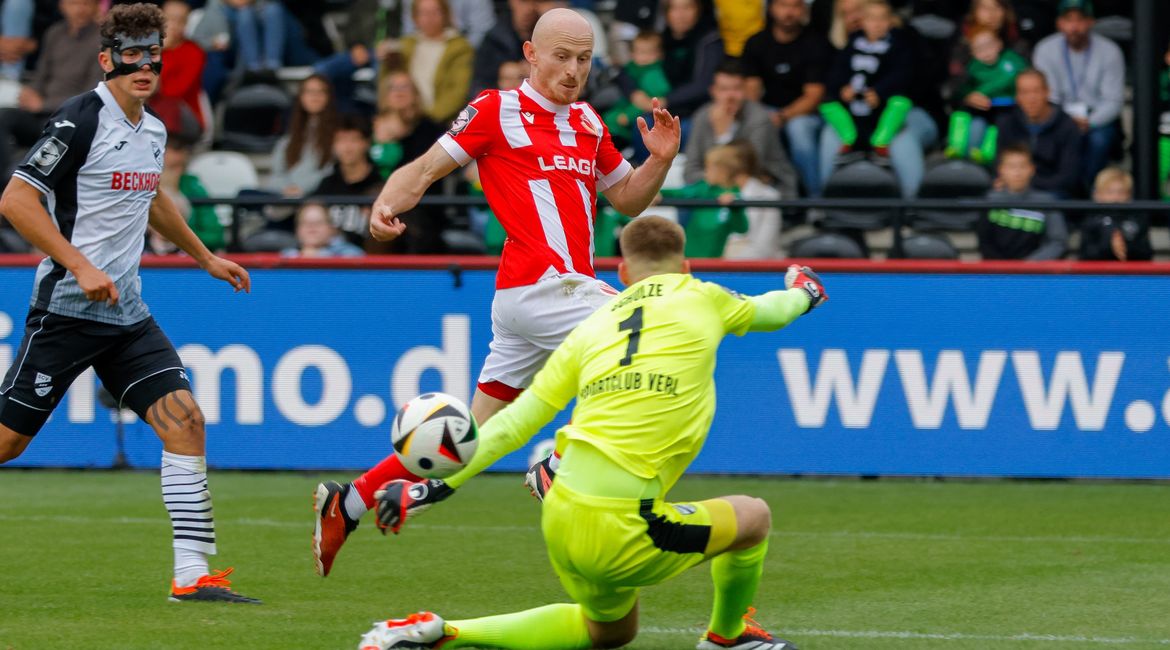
[634, 193]
[21, 205]
[169, 222]
[776, 309]
[405, 188]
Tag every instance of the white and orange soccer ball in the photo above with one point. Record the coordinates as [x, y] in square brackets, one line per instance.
[434, 435]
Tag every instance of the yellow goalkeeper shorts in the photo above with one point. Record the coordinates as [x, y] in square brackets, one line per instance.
[603, 549]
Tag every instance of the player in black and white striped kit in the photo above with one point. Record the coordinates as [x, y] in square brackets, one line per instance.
[97, 165]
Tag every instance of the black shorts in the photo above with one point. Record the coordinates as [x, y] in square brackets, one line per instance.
[136, 363]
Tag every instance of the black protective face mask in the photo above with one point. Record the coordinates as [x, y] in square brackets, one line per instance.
[122, 42]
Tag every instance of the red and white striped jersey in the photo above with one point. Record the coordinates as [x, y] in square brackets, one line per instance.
[541, 165]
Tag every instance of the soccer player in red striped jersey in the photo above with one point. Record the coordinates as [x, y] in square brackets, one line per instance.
[543, 156]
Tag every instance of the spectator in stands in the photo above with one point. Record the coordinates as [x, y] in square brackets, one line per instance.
[846, 20]
[988, 90]
[1086, 75]
[692, 51]
[512, 74]
[258, 32]
[504, 42]
[644, 71]
[762, 239]
[370, 27]
[177, 101]
[785, 65]
[1051, 136]
[180, 186]
[998, 16]
[61, 73]
[16, 42]
[317, 236]
[398, 94]
[473, 18]
[386, 150]
[708, 228]
[867, 89]
[738, 21]
[1020, 233]
[301, 158]
[439, 60]
[353, 175]
[1121, 236]
[1164, 130]
[731, 116]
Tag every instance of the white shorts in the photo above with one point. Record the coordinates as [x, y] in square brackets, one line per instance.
[529, 322]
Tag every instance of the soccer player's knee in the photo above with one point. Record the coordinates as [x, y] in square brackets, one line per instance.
[756, 522]
[11, 445]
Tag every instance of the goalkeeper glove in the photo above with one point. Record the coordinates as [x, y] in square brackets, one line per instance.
[806, 280]
[540, 477]
[401, 499]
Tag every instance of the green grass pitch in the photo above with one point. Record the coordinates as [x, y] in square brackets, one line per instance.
[853, 564]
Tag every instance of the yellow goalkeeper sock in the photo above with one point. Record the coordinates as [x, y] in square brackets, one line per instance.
[552, 627]
[736, 576]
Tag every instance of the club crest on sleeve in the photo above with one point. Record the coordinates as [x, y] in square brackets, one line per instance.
[48, 155]
[462, 120]
[157, 151]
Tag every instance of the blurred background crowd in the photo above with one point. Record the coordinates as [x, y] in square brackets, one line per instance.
[1014, 100]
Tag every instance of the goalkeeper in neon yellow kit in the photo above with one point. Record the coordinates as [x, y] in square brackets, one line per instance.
[642, 369]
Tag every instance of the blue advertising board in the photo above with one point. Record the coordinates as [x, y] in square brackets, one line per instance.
[898, 374]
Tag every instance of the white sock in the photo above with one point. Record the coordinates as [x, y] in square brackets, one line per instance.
[354, 505]
[184, 490]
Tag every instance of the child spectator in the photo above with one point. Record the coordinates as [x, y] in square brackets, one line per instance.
[869, 81]
[177, 99]
[989, 86]
[318, 237]
[181, 187]
[1121, 236]
[386, 151]
[1019, 233]
[353, 175]
[301, 158]
[762, 239]
[708, 228]
[646, 73]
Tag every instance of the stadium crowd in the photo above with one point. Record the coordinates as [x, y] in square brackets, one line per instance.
[328, 97]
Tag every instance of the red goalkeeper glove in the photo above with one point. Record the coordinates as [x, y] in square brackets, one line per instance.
[805, 279]
[401, 499]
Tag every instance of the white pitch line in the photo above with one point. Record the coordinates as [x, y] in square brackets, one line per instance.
[930, 636]
[842, 534]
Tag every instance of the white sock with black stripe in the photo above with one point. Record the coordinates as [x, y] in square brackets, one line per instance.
[184, 490]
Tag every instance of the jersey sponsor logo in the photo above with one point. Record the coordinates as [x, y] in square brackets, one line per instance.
[64, 123]
[118, 147]
[462, 120]
[582, 166]
[47, 157]
[43, 384]
[134, 181]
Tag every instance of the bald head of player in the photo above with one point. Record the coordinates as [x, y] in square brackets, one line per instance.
[652, 245]
[560, 55]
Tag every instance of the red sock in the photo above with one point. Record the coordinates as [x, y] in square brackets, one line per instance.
[388, 470]
[884, 152]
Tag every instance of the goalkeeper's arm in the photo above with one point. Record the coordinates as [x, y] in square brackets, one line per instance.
[507, 431]
[776, 309]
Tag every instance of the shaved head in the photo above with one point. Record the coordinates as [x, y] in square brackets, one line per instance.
[560, 55]
[561, 22]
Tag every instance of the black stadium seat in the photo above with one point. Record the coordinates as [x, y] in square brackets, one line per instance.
[953, 179]
[826, 245]
[253, 118]
[269, 241]
[928, 247]
[860, 180]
